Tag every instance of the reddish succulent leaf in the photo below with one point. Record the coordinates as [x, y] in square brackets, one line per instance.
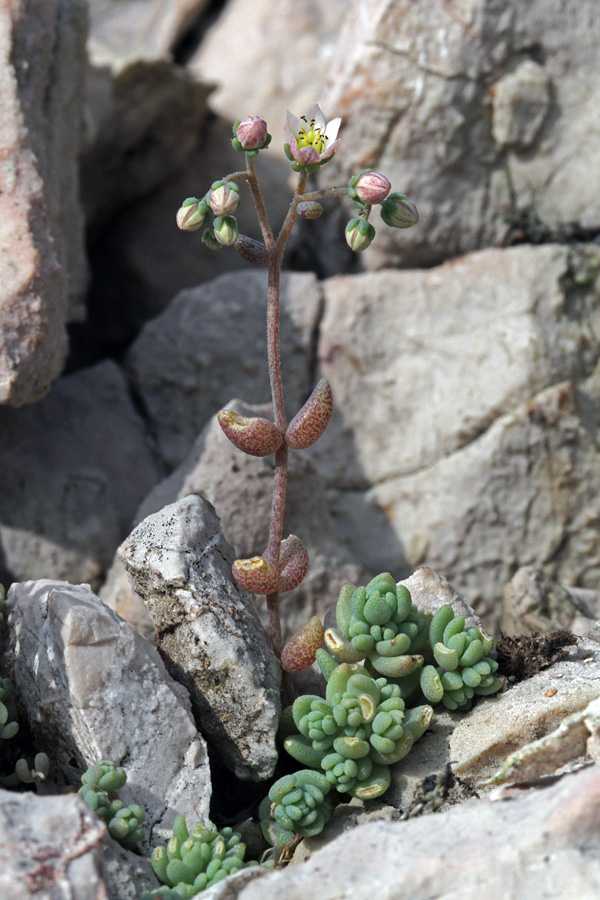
[300, 651]
[293, 563]
[256, 575]
[310, 422]
[255, 436]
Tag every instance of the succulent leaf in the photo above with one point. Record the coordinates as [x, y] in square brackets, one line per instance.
[256, 575]
[293, 563]
[310, 422]
[300, 651]
[255, 436]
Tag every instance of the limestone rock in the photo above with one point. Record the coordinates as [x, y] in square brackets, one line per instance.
[210, 340]
[505, 723]
[208, 632]
[43, 267]
[92, 688]
[50, 847]
[541, 844]
[429, 591]
[278, 55]
[66, 501]
[443, 98]
[138, 29]
[533, 602]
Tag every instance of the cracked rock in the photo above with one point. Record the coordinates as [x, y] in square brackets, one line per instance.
[208, 632]
[520, 102]
[91, 688]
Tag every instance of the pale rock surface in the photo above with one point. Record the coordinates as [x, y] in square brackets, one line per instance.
[66, 501]
[442, 97]
[506, 722]
[190, 360]
[532, 602]
[42, 266]
[92, 688]
[429, 591]
[50, 849]
[126, 874]
[208, 632]
[139, 29]
[269, 57]
[543, 844]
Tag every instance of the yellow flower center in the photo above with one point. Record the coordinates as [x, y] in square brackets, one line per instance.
[311, 137]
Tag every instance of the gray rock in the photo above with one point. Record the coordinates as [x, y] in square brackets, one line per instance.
[269, 57]
[91, 688]
[66, 501]
[139, 29]
[50, 848]
[532, 602]
[43, 269]
[210, 341]
[540, 844]
[126, 874]
[430, 590]
[208, 632]
[503, 724]
[443, 100]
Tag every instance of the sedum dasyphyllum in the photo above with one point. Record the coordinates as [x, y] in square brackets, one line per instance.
[311, 142]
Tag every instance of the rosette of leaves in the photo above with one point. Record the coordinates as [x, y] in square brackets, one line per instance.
[356, 732]
[195, 860]
[295, 805]
[381, 624]
[464, 665]
[99, 788]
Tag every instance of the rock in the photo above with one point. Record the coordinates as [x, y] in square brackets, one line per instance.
[240, 488]
[144, 119]
[117, 593]
[429, 591]
[208, 632]
[541, 844]
[445, 101]
[299, 39]
[140, 29]
[91, 688]
[201, 369]
[50, 847]
[66, 501]
[126, 874]
[505, 723]
[43, 272]
[533, 602]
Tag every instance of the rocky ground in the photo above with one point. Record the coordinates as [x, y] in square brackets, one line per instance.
[464, 361]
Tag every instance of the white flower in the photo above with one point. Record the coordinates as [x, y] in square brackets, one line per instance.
[311, 139]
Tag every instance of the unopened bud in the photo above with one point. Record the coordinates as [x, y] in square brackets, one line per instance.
[252, 251]
[359, 234]
[370, 187]
[251, 134]
[398, 212]
[310, 209]
[192, 214]
[224, 198]
[210, 240]
[226, 230]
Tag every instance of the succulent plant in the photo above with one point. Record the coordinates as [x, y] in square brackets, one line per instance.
[464, 666]
[356, 732]
[295, 805]
[193, 861]
[99, 790]
[8, 723]
[381, 624]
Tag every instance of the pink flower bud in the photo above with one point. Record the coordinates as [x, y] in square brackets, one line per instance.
[191, 214]
[255, 436]
[398, 212]
[293, 563]
[371, 187]
[224, 198]
[252, 133]
[226, 230]
[310, 209]
[256, 575]
[300, 651]
[310, 422]
[359, 234]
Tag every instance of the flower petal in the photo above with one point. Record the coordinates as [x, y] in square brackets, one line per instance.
[315, 113]
[330, 150]
[332, 129]
[306, 155]
[291, 127]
